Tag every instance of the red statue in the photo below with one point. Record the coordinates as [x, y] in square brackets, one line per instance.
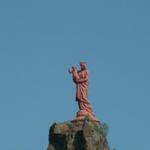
[81, 79]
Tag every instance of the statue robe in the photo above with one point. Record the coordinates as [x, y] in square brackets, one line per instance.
[82, 84]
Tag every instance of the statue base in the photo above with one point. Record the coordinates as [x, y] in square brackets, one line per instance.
[83, 115]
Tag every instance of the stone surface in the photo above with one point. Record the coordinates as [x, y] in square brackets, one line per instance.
[81, 135]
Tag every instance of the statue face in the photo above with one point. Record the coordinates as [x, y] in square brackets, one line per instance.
[83, 66]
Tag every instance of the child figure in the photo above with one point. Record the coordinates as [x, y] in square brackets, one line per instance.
[74, 73]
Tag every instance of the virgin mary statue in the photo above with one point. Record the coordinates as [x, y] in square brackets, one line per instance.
[81, 79]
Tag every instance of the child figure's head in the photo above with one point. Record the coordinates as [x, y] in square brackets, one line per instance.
[73, 68]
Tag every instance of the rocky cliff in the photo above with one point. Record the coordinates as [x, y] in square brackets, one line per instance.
[81, 135]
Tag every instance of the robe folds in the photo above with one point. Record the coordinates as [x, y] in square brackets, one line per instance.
[82, 84]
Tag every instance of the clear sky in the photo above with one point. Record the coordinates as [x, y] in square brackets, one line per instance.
[40, 40]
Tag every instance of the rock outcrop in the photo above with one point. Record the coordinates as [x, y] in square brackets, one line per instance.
[81, 135]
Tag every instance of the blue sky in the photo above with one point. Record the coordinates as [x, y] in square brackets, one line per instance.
[40, 40]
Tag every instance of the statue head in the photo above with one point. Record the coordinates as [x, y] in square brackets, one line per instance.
[83, 65]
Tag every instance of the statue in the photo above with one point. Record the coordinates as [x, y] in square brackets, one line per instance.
[81, 79]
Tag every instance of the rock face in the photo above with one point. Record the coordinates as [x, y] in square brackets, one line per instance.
[83, 135]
